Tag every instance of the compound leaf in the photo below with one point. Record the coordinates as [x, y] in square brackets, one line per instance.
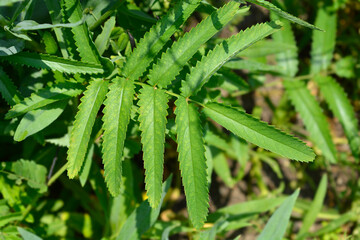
[155, 39]
[210, 63]
[192, 160]
[259, 133]
[116, 119]
[173, 60]
[152, 117]
[341, 107]
[46, 96]
[84, 121]
[53, 63]
[313, 118]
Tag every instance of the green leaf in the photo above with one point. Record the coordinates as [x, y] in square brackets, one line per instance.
[276, 226]
[173, 60]
[55, 13]
[288, 59]
[222, 169]
[341, 107]
[85, 46]
[249, 207]
[46, 96]
[143, 217]
[222, 53]
[311, 113]
[85, 171]
[253, 66]
[34, 174]
[8, 89]
[26, 235]
[283, 14]
[314, 209]
[335, 224]
[210, 234]
[265, 47]
[116, 119]
[84, 121]
[102, 40]
[192, 160]
[156, 38]
[259, 133]
[10, 217]
[36, 120]
[152, 117]
[323, 43]
[53, 63]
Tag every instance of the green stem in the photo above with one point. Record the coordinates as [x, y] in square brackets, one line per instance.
[57, 174]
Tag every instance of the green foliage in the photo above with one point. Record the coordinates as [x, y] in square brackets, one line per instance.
[53, 63]
[171, 62]
[116, 118]
[84, 121]
[45, 97]
[174, 87]
[259, 133]
[312, 116]
[276, 226]
[152, 118]
[192, 160]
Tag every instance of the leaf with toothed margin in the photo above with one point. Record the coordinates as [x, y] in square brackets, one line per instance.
[173, 60]
[283, 14]
[192, 160]
[46, 96]
[85, 45]
[313, 117]
[340, 105]
[213, 61]
[84, 121]
[116, 118]
[156, 38]
[8, 90]
[53, 63]
[152, 118]
[259, 133]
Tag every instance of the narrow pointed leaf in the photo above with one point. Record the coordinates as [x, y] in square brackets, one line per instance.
[36, 120]
[155, 39]
[192, 161]
[283, 14]
[102, 40]
[253, 66]
[84, 121]
[276, 226]
[313, 117]
[288, 59]
[8, 90]
[173, 60]
[43, 61]
[46, 96]
[223, 52]
[259, 133]
[116, 118]
[323, 43]
[85, 46]
[152, 117]
[314, 209]
[341, 107]
[143, 217]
